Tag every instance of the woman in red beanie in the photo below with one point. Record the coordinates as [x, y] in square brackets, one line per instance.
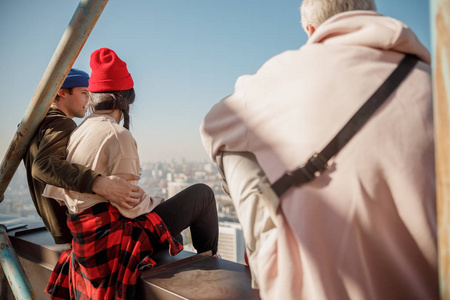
[112, 245]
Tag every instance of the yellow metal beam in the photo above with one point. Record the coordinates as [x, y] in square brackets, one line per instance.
[440, 29]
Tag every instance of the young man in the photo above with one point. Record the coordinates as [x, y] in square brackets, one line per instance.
[366, 227]
[46, 163]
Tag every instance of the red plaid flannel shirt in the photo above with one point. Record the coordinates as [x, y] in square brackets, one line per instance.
[108, 254]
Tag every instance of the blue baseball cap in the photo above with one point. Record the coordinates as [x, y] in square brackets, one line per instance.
[76, 78]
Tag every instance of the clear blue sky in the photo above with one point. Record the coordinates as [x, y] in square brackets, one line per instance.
[184, 56]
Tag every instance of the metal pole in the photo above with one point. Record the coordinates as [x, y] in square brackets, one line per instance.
[440, 28]
[18, 281]
[76, 34]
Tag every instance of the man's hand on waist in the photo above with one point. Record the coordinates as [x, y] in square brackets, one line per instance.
[118, 190]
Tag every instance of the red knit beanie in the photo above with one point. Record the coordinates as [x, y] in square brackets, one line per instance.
[109, 72]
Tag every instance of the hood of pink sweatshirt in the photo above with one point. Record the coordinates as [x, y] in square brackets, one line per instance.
[366, 28]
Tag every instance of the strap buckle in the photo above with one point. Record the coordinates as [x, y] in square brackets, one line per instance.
[312, 169]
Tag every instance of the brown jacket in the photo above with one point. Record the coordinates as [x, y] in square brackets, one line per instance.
[45, 162]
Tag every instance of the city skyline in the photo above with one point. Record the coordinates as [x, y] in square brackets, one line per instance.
[162, 179]
[184, 57]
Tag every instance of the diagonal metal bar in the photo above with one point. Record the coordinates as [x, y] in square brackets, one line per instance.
[72, 41]
[76, 34]
[17, 279]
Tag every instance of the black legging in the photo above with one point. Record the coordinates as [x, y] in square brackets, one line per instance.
[193, 207]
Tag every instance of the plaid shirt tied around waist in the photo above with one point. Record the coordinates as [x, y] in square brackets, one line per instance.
[108, 254]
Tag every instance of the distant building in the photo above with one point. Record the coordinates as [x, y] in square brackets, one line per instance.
[174, 187]
[169, 177]
[208, 168]
[231, 242]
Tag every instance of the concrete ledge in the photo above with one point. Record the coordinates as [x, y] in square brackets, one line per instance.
[199, 277]
[184, 276]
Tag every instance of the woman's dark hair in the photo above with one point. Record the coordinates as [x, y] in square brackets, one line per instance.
[114, 100]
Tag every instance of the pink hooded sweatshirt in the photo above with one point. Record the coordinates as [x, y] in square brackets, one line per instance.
[366, 228]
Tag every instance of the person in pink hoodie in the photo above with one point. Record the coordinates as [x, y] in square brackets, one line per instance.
[366, 227]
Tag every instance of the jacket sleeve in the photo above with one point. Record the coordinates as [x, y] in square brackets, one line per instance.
[224, 127]
[51, 166]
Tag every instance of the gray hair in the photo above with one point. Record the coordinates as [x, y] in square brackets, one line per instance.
[315, 12]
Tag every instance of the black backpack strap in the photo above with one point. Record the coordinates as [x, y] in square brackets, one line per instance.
[317, 163]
